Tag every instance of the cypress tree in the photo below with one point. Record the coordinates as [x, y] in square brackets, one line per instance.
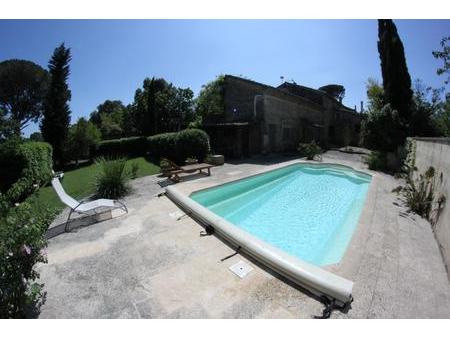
[396, 79]
[55, 124]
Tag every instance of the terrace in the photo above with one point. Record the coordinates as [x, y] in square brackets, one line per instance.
[153, 262]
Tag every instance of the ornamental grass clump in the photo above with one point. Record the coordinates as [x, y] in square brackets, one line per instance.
[112, 181]
[419, 192]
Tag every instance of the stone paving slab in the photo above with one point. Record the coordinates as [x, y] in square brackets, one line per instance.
[148, 264]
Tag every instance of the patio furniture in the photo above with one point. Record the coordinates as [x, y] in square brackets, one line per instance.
[84, 207]
[172, 172]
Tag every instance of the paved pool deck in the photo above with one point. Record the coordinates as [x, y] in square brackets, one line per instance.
[152, 263]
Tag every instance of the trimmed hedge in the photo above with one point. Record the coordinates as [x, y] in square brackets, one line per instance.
[176, 146]
[179, 146]
[129, 146]
[24, 166]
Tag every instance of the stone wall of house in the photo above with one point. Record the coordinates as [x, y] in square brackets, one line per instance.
[279, 118]
[435, 152]
[347, 127]
[240, 98]
[287, 122]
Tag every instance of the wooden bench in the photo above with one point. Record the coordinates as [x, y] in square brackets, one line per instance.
[174, 170]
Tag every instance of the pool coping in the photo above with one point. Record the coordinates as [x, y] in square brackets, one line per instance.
[319, 280]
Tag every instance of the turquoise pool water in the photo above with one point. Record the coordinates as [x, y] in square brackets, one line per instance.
[308, 211]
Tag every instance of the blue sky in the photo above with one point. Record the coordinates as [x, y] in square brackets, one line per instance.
[111, 58]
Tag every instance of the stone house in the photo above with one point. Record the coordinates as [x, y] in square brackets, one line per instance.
[259, 119]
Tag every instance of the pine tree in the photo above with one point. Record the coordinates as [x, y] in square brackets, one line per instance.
[396, 79]
[55, 124]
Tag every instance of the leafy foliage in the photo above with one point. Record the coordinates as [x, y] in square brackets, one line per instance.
[24, 166]
[55, 124]
[375, 95]
[441, 118]
[129, 146]
[134, 170]
[161, 107]
[36, 137]
[83, 136]
[23, 85]
[180, 146]
[112, 180]
[113, 120]
[8, 127]
[376, 160]
[334, 90]
[420, 189]
[210, 100]
[426, 105]
[444, 55]
[310, 150]
[382, 130]
[22, 245]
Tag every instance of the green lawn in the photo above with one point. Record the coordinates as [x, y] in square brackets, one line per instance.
[79, 183]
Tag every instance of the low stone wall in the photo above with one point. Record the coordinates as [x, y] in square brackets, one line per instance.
[435, 152]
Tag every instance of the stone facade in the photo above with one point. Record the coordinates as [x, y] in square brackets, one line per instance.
[258, 118]
[435, 152]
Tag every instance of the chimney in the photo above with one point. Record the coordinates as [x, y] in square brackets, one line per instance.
[362, 107]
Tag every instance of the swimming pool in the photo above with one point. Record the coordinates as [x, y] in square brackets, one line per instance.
[308, 211]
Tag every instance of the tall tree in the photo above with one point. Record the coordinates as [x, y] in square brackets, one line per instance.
[396, 79]
[109, 117]
[210, 100]
[55, 124]
[183, 107]
[160, 107]
[375, 95]
[113, 108]
[380, 128]
[427, 104]
[335, 90]
[444, 55]
[23, 85]
[7, 126]
[144, 106]
[82, 136]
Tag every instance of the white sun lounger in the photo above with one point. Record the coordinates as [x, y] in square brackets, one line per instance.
[84, 207]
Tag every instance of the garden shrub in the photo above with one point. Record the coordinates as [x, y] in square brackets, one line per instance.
[376, 160]
[382, 130]
[192, 143]
[129, 147]
[180, 146]
[163, 145]
[310, 150]
[112, 180]
[10, 163]
[177, 146]
[24, 167]
[22, 245]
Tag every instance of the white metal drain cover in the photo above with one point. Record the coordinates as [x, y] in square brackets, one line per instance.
[241, 269]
